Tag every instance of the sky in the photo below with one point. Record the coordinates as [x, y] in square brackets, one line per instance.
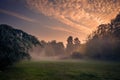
[57, 19]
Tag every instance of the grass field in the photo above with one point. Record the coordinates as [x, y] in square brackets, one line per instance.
[62, 70]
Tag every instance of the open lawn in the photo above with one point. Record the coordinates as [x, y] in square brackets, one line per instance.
[62, 70]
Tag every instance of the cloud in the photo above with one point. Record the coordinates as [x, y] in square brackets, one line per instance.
[82, 15]
[61, 29]
[17, 15]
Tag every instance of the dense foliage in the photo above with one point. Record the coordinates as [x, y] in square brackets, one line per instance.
[14, 45]
[104, 43]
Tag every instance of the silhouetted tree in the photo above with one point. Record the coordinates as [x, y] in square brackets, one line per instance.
[70, 40]
[14, 45]
[76, 44]
[70, 45]
[77, 41]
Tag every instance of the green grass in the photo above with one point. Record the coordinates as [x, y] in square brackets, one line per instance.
[60, 70]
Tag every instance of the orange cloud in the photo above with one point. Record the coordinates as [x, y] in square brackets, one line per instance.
[82, 15]
[17, 15]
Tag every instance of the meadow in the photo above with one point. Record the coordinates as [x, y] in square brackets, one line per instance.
[62, 70]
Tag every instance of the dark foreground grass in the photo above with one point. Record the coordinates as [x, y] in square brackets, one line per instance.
[86, 70]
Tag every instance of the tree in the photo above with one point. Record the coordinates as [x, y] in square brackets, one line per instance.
[76, 44]
[104, 42]
[77, 41]
[14, 45]
[70, 45]
[70, 40]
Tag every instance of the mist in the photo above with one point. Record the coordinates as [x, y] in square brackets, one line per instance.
[39, 53]
[102, 44]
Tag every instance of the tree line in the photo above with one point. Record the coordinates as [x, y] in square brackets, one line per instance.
[54, 48]
[102, 44]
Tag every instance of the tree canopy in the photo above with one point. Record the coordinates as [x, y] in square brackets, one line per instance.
[104, 43]
[14, 45]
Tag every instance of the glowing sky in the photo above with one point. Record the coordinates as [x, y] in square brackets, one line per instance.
[58, 19]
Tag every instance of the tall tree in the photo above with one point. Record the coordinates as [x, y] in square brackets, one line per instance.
[76, 44]
[77, 41]
[70, 40]
[70, 45]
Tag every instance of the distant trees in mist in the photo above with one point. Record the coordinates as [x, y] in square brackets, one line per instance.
[104, 43]
[53, 48]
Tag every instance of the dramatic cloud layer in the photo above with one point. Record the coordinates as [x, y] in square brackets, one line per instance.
[82, 15]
